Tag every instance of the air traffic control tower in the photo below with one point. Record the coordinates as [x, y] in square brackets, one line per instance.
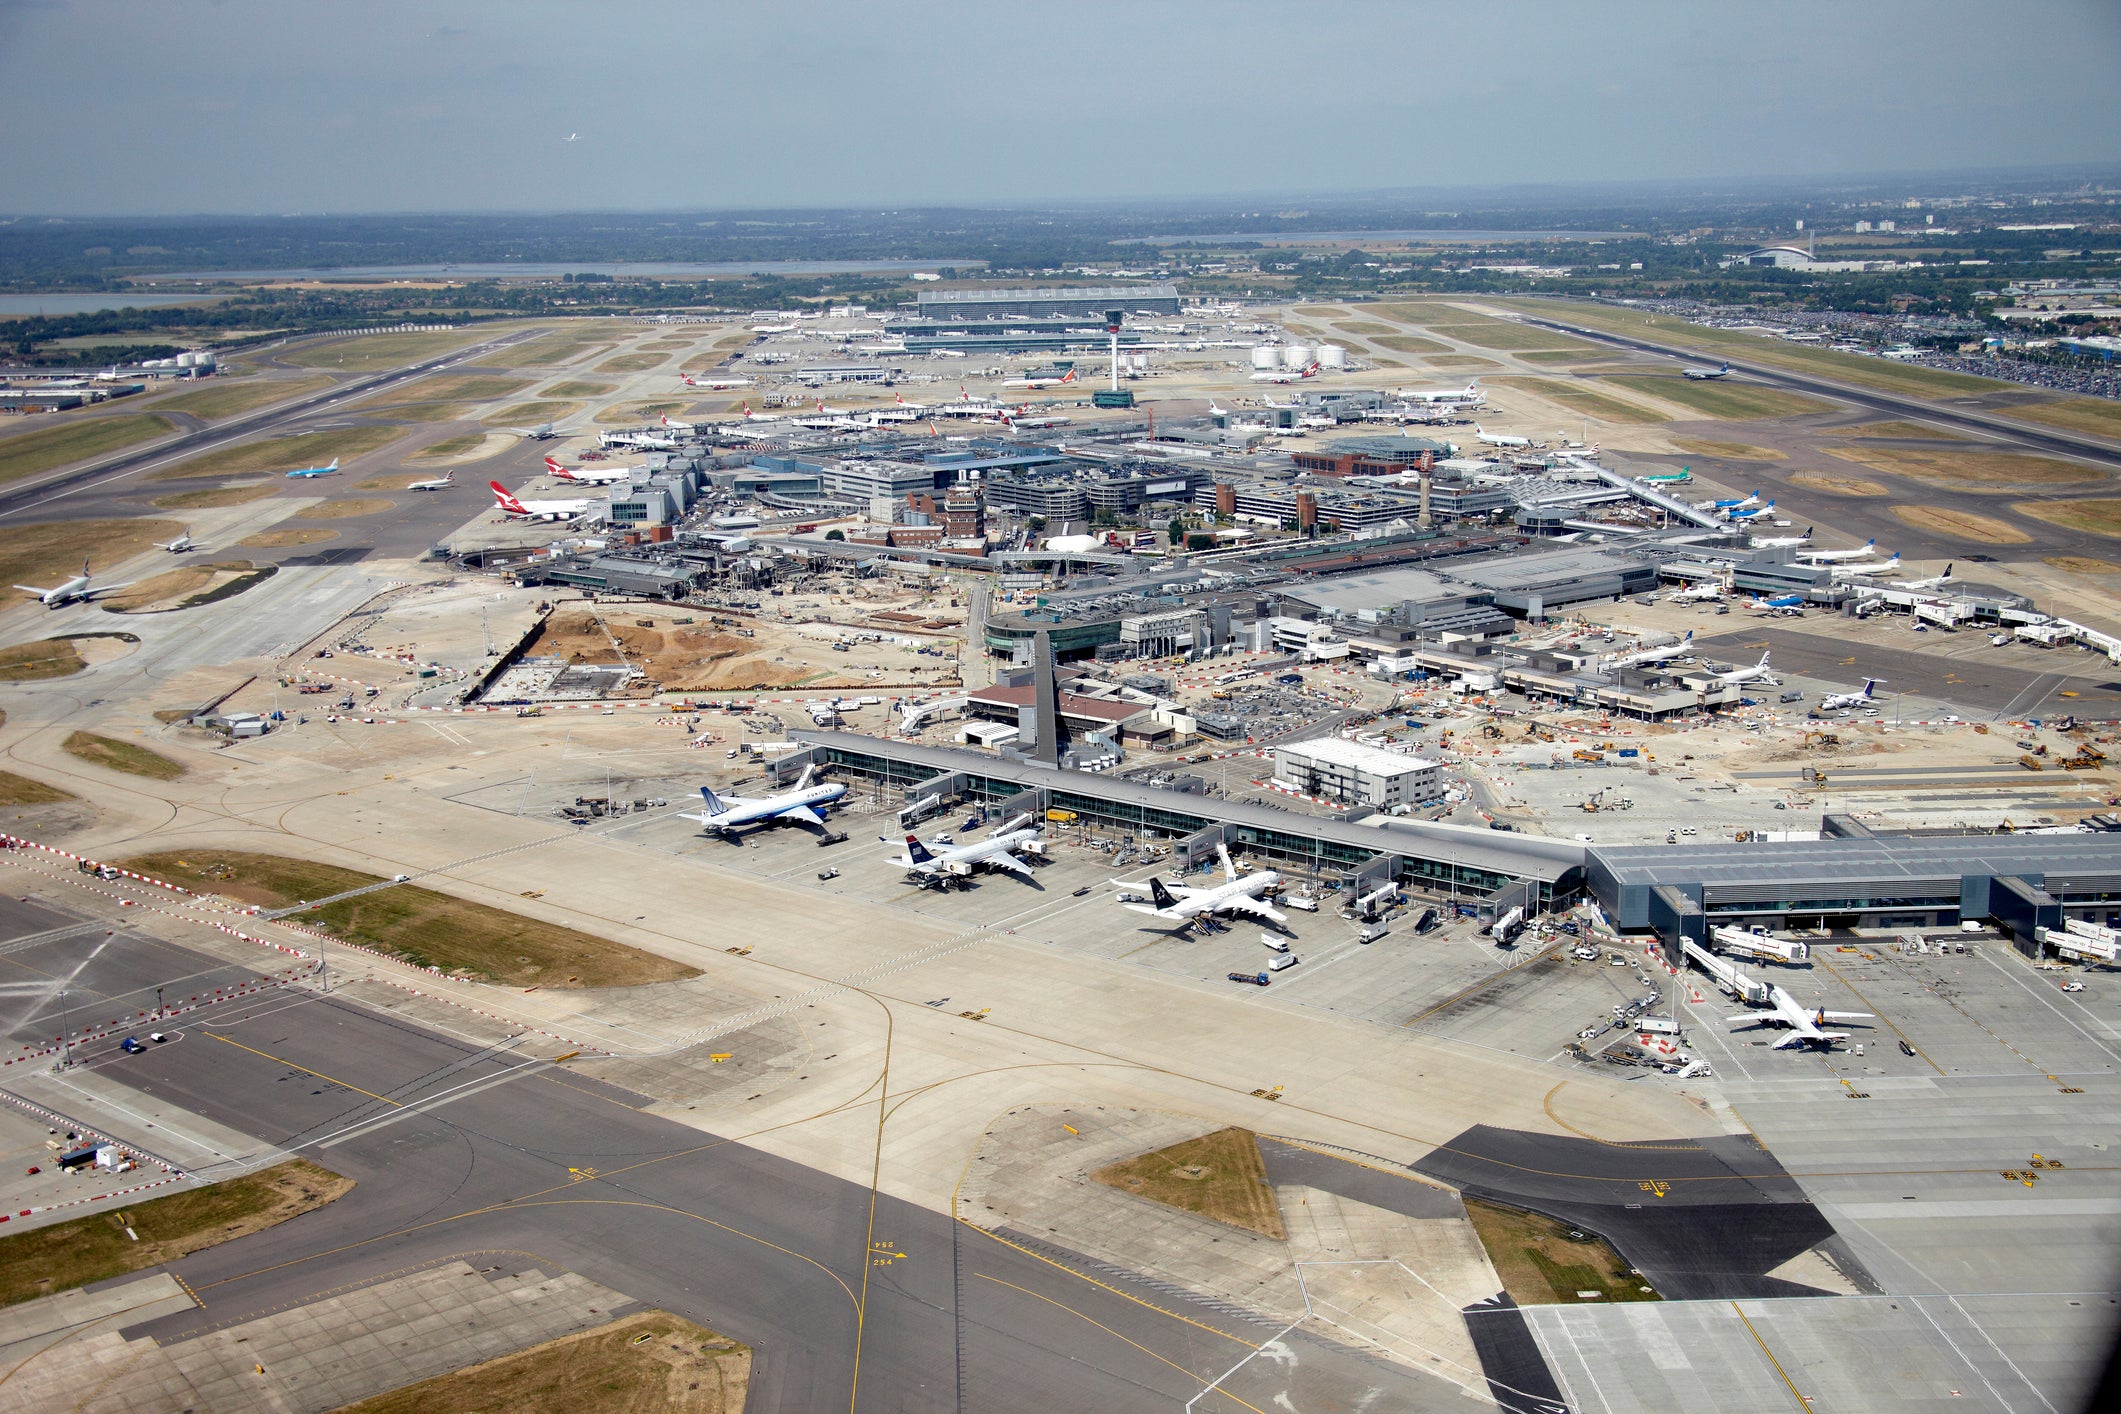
[1047, 731]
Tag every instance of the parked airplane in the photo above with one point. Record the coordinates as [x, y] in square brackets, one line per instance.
[683, 429]
[1836, 701]
[1781, 542]
[1701, 593]
[1835, 557]
[805, 804]
[1779, 604]
[1935, 581]
[1756, 513]
[177, 546]
[77, 589]
[1060, 381]
[1876, 567]
[332, 470]
[440, 483]
[1287, 375]
[998, 849]
[1656, 655]
[1805, 1023]
[1750, 498]
[1238, 894]
[537, 510]
[1497, 439]
[1676, 478]
[646, 441]
[1702, 375]
[716, 382]
[1469, 394]
[588, 475]
[1739, 675]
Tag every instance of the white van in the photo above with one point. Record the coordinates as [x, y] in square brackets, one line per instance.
[1302, 902]
[1369, 935]
[1287, 959]
[1272, 943]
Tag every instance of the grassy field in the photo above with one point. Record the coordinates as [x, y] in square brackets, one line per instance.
[1855, 369]
[448, 388]
[1545, 1263]
[1839, 485]
[372, 353]
[1556, 355]
[631, 363]
[1589, 401]
[422, 926]
[345, 508]
[41, 661]
[2100, 517]
[1974, 470]
[21, 790]
[531, 414]
[46, 552]
[626, 414]
[281, 539]
[1736, 402]
[1915, 430]
[1961, 525]
[226, 398]
[2097, 417]
[648, 1363]
[29, 453]
[1219, 1176]
[209, 497]
[191, 586]
[125, 756]
[1511, 338]
[2083, 564]
[561, 346]
[1733, 451]
[1409, 344]
[1472, 363]
[302, 449]
[1364, 326]
[96, 1248]
[579, 388]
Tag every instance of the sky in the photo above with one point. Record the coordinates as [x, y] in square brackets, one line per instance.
[151, 107]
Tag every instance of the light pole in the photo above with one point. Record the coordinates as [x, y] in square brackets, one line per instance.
[66, 1046]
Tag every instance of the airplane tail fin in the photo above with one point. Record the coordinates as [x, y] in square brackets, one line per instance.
[803, 781]
[1068, 378]
[916, 851]
[507, 501]
[1229, 865]
[334, 465]
[1161, 896]
[714, 802]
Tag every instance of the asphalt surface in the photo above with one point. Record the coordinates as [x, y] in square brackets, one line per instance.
[1702, 1220]
[491, 1155]
[2087, 448]
[1981, 686]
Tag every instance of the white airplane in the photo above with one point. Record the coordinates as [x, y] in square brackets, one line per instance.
[177, 546]
[1657, 655]
[1935, 581]
[901, 401]
[308, 471]
[1835, 557]
[683, 429]
[1701, 593]
[440, 483]
[1498, 439]
[1739, 675]
[537, 510]
[647, 441]
[1836, 701]
[1876, 567]
[1766, 512]
[1287, 375]
[541, 433]
[1469, 394]
[750, 416]
[1805, 1023]
[803, 804]
[588, 475]
[1789, 604]
[1061, 381]
[76, 589]
[998, 849]
[1780, 542]
[1703, 375]
[1239, 894]
[716, 383]
[1750, 498]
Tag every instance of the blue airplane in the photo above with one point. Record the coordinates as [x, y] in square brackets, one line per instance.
[1780, 604]
[1758, 512]
[1750, 498]
[332, 470]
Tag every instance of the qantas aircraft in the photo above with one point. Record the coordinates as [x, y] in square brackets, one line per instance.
[588, 475]
[537, 510]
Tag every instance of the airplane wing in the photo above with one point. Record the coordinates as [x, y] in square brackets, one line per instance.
[1169, 915]
[1006, 860]
[1840, 1016]
[805, 814]
[717, 823]
[32, 589]
[96, 590]
[1257, 909]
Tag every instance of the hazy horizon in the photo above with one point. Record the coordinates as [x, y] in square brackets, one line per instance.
[247, 108]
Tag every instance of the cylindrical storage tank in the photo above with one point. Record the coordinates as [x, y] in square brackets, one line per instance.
[187, 360]
[1266, 356]
[1296, 356]
[206, 360]
[1141, 363]
[1332, 356]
